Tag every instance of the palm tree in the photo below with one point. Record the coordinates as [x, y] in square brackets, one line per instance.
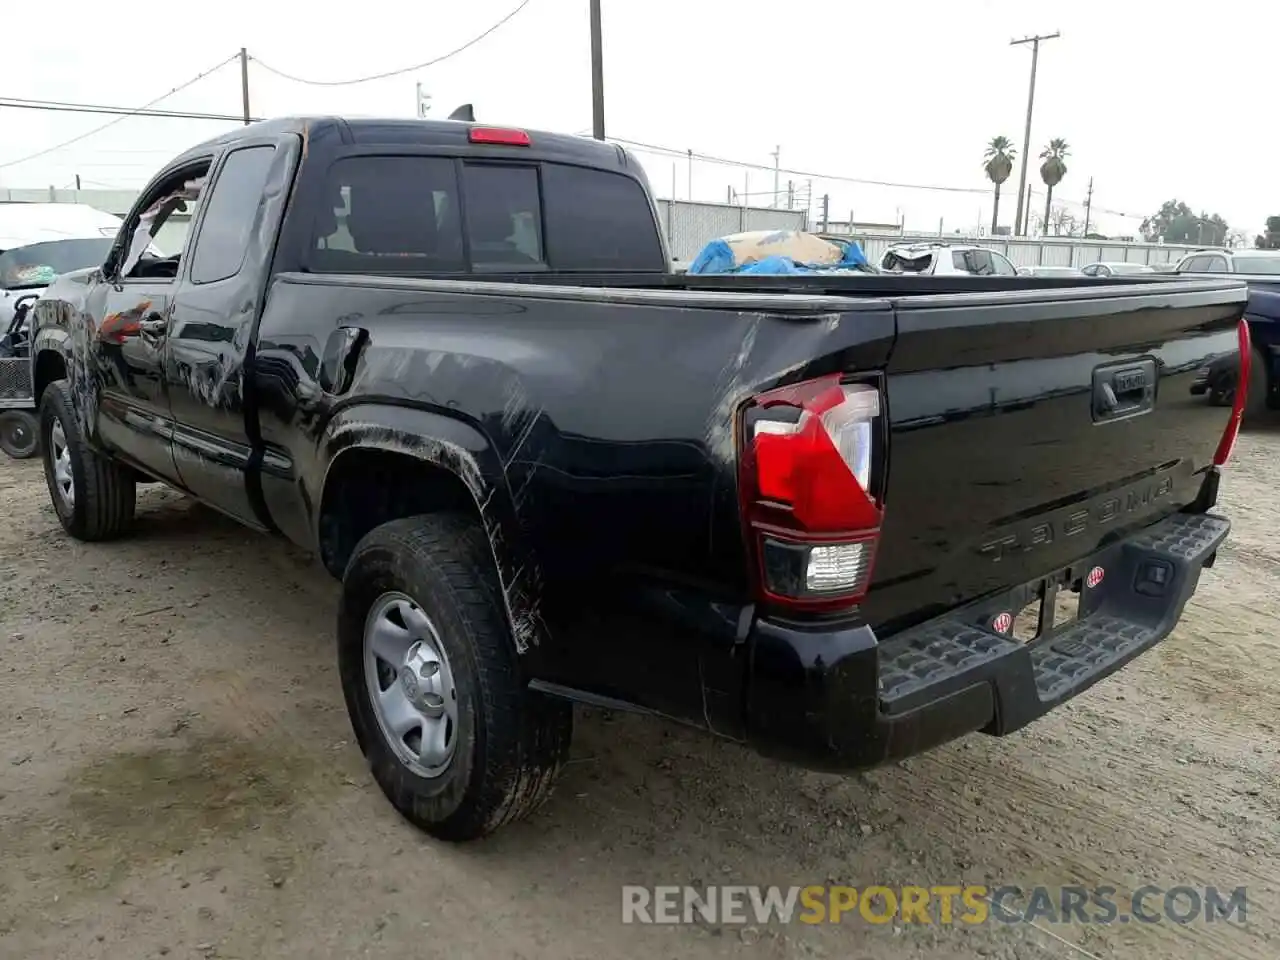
[1052, 171]
[998, 163]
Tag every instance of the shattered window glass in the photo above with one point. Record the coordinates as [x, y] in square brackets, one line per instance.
[182, 199]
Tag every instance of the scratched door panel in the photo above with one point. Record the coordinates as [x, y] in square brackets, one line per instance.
[212, 332]
[134, 418]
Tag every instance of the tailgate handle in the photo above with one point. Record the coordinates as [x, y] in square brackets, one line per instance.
[1124, 389]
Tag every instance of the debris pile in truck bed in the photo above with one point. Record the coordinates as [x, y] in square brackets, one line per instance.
[779, 252]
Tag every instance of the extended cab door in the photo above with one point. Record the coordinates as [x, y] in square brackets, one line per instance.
[211, 334]
[133, 304]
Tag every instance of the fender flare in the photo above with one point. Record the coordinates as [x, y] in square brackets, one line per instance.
[49, 340]
[456, 446]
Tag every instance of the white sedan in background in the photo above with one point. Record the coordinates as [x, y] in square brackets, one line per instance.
[1116, 268]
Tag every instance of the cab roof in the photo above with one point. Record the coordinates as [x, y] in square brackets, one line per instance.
[449, 134]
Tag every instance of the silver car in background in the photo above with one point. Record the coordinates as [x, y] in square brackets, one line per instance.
[1116, 268]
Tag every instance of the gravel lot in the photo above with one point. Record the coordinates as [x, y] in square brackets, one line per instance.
[177, 778]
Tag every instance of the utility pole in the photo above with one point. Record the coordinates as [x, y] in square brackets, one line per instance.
[597, 73]
[691, 174]
[1031, 100]
[826, 203]
[777, 153]
[1088, 206]
[244, 83]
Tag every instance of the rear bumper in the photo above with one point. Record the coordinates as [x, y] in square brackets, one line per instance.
[840, 699]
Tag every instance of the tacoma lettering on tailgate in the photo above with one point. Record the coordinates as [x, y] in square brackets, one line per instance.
[1044, 530]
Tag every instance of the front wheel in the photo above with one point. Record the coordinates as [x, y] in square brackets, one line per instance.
[93, 495]
[434, 688]
[19, 434]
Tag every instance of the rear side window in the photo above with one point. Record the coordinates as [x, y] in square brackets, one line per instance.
[504, 215]
[425, 215]
[389, 215]
[229, 212]
[976, 262]
[1002, 267]
[599, 221]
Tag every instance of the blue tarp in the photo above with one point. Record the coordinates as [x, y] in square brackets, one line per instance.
[718, 257]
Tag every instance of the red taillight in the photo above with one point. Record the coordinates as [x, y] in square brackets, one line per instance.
[1228, 442]
[499, 136]
[806, 486]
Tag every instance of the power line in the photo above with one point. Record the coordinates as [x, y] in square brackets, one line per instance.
[111, 123]
[676, 154]
[723, 161]
[391, 73]
[61, 107]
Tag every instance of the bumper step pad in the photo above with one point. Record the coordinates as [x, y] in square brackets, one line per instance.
[1149, 578]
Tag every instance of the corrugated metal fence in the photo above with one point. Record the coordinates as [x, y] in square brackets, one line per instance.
[688, 227]
[1052, 251]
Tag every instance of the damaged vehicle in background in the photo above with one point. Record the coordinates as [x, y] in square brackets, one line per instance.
[933, 259]
[38, 241]
[451, 360]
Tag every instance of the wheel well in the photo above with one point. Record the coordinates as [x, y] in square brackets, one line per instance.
[50, 366]
[366, 488]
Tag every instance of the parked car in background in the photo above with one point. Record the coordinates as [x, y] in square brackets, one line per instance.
[1260, 270]
[1041, 270]
[39, 241]
[1114, 268]
[1255, 262]
[944, 259]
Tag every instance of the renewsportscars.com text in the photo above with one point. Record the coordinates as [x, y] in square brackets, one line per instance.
[942, 904]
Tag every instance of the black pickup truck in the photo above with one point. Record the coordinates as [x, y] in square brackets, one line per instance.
[835, 518]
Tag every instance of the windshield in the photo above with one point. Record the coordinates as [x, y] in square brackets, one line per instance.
[37, 264]
[1257, 264]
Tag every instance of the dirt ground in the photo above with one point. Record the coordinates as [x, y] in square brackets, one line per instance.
[177, 778]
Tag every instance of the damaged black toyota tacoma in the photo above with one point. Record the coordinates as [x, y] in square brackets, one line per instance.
[841, 519]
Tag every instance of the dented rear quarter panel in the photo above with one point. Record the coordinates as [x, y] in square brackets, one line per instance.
[594, 430]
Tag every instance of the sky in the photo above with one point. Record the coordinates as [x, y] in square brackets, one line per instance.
[1152, 101]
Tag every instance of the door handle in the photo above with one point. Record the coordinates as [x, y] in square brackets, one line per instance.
[153, 325]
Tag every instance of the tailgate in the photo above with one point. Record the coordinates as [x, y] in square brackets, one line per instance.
[1030, 428]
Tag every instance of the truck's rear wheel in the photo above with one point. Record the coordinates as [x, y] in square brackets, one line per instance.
[19, 434]
[433, 685]
[93, 495]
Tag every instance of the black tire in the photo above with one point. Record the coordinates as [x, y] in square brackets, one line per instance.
[104, 491]
[511, 742]
[19, 434]
[1256, 403]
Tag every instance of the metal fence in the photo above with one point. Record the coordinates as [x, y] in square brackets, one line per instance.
[688, 227]
[1027, 252]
